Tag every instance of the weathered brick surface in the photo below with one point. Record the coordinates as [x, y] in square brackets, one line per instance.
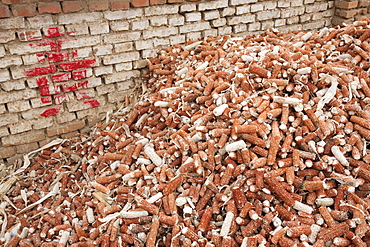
[140, 25]
[43, 123]
[193, 16]
[346, 13]
[2, 109]
[7, 119]
[158, 10]
[72, 6]
[268, 15]
[26, 148]
[120, 4]
[187, 28]
[104, 70]
[363, 3]
[4, 75]
[213, 5]
[79, 17]
[7, 97]
[65, 128]
[123, 66]
[20, 127]
[105, 89]
[123, 14]
[114, 38]
[285, 13]
[78, 29]
[40, 21]
[4, 131]
[241, 19]
[65, 117]
[161, 32]
[12, 23]
[25, 10]
[18, 106]
[121, 58]
[6, 36]
[6, 152]
[50, 8]
[92, 113]
[121, 76]
[157, 21]
[99, 5]
[4, 11]
[188, 7]
[29, 137]
[99, 28]
[140, 3]
[346, 4]
[211, 15]
[82, 42]
[176, 20]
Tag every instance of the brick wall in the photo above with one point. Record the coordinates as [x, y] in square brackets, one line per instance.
[64, 64]
[349, 10]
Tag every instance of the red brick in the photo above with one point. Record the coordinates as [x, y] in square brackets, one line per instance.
[25, 10]
[98, 6]
[346, 13]
[13, 1]
[7, 152]
[72, 6]
[363, 11]
[363, 3]
[4, 11]
[346, 4]
[118, 5]
[66, 128]
[15, 158]
[32, 136]
[155, 2]
[23, 1]
[140, 3]
[50, 8]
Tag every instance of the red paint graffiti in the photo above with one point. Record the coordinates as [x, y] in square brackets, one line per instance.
[59, 99]
[53, 32]
[52, 43]
[29, 35]
[40, 70]
[51, 111]
[78, 75]
[61, 77]
[74, 53]
[40, 58]
[58, 88]
[80, 64]
[58, 56]
[45, 90]
[70, 88]
[82, 95]
[93, 103]
[82, 84]
[46, 100]
[42, 81]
